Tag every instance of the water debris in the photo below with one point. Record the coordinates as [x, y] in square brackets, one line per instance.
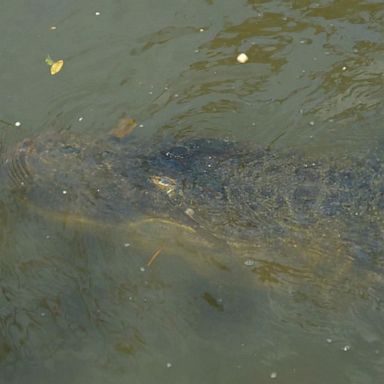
[242, 58]
[273, 375]
[17, 124]
[249, 262]
[190, 212]
[154, 257]
[124, 127]
[213, 302]
[56, 66]
[346, 348]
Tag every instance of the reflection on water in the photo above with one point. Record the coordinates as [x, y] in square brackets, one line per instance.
[78, 301]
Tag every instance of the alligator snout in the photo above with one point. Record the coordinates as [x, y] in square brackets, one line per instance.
[14, 167]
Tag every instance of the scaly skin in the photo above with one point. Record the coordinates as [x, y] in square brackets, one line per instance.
[321, 214]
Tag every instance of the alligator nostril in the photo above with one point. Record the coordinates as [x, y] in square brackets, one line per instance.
[25, 145]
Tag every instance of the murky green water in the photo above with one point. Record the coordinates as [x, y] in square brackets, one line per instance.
[77, 302]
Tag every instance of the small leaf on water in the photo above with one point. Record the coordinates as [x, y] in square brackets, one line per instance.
[56, 67]
[124, 127]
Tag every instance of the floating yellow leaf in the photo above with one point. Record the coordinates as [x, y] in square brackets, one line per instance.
[55, 65]
[124, 127]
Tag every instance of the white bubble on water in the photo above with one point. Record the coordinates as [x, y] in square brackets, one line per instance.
[273, 375]
[346, 348]
[242, 58]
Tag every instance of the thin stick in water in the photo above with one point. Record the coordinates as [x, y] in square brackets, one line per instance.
[154, 256]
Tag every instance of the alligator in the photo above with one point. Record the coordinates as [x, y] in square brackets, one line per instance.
[324, 208]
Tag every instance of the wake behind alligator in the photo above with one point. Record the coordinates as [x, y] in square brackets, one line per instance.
[278, 212]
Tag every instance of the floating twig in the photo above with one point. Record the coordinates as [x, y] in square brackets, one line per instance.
[154, 256]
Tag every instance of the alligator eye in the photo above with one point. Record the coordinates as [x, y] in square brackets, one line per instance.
[164, 182]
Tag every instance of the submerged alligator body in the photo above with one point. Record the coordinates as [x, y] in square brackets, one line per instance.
[239, 195]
